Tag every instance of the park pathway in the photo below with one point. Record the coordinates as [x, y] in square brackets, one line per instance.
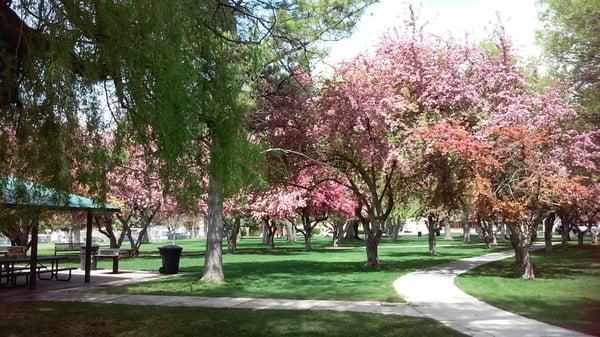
[433, 293]
[73, 295]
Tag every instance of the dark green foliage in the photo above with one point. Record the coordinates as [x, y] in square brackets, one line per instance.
[571, 38]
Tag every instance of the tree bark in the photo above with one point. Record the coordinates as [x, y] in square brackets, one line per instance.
[431, 225]
[271, 230]
[213, 257]
[565, 221]
[528, 266]
[351, 230]
[264, 232]
[338, 233]
[580, 237]
[290, 230]
[493, 233]
[548, 224]
[371, 244]
[447, 230]
[515, 242]
[307, 240]
[233, 235]
[464, 221]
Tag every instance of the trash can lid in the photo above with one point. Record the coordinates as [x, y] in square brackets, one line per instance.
[170, 247]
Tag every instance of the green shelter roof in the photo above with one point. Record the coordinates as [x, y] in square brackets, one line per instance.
[18, 192]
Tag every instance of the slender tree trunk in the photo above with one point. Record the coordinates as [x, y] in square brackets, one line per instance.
[447, 230]
[233, 235]
[271, 231]
[580, 237]
[213, 258]
[466, 231]
[396, 229]
[515, 242]
[264, 231]
[290, 230]
[431, 224]
[548, 224]
[566, 226]
[503, 235]
[307, 239]
[527, 265]
[338, 233]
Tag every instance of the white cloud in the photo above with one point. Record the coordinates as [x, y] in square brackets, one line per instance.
[444, 17]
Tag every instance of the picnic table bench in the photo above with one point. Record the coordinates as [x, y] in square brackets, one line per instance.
[113, 253]
[67, 247]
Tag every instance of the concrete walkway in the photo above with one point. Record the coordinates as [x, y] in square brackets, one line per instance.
[232, 302]
[433, 293]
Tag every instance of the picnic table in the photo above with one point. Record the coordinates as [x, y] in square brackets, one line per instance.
[11, 268]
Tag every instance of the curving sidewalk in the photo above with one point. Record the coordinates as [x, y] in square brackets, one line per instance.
[432, 292]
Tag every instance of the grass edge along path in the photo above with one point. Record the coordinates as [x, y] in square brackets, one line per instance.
[564, 293]
[86, 319]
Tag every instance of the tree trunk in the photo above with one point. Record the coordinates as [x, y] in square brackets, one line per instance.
[447, 230]
[396, 230]
[351, 230]
[492, 234]
[515, 242]
[431, 224]
[466, 231]
[290, 230]
[271, 231]
[528, 266]
[338, 233]
[548, 224]
[566, 226]
[372, 243]
[264, 232]
[213, 257]
[307, 239]
[580, 237]
[503, 235]
[233, 235]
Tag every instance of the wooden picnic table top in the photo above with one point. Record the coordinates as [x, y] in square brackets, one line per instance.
[27, 258]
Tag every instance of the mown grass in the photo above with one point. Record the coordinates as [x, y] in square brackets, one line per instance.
[84, 319]
[289, 272]
[564, 292]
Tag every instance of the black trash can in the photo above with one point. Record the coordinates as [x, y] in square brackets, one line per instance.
[419, 233]
[170, 259]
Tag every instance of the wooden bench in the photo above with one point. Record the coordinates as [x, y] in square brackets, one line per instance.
[67, 247]
[54, 274]
[113, 253]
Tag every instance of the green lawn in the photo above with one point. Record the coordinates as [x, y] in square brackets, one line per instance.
[289, 272]
[564, 293]
[84, 319]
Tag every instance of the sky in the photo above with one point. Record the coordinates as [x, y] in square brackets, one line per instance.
[476, 18]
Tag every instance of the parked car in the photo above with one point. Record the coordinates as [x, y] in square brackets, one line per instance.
[327, 234]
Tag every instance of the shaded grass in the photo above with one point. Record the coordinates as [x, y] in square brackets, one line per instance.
[290, 272]
[85, 319]
[564, 293]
